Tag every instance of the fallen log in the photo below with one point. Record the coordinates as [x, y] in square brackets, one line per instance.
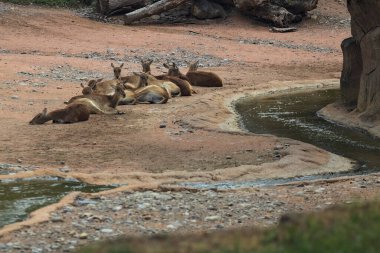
[111, 7]
[150, 10]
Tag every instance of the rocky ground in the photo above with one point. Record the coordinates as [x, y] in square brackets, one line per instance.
[46, 53]
[129, 213]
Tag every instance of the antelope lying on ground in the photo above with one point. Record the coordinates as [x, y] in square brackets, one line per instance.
[101, 104]
[131, 82]
[129, 98]
[150, 93]
[71, 114]
[184, 86]
[202, 78]
[196, 77]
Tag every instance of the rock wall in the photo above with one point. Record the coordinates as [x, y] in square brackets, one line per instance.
[361, 55]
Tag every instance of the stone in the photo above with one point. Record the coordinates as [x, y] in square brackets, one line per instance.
[56, 218]
[212, 218]
[117, 208]
[106, 230]
[83, 236]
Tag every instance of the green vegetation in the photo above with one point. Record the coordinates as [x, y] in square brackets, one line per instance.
[52, 3]
[340, 230]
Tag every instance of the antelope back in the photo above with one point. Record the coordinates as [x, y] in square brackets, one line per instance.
[204, 79]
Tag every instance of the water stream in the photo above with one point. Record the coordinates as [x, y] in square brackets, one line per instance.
[20, 197]
[295, 116]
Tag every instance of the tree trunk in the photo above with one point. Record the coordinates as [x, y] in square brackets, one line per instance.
[351, 73]
[110, 7]
[156, 8]
[365, 27]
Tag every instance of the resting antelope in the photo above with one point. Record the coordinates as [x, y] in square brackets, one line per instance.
[185, 86]
[93, 88]
[101, 104]
[71, 114]
[132, 81]
[196, 77]
[150, 93]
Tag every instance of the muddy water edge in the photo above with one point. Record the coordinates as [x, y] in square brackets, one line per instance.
[295, 116]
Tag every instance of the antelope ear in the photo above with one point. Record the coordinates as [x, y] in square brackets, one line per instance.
[174, 65]
[166, 66]
[99, 80]
[137, 74]
[150, 61]
[81, 84]
[121, 65]
[44, 111]
[112, 65]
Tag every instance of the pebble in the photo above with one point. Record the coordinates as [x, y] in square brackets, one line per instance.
[106, 230]
[320, 190]
[83, 236]
[56, 218]
[117, 208]
[212, 218]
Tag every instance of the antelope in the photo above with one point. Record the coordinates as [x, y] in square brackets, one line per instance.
[202, 78]
[129, 99]
[131, 82]
[71, 114]
[196, 77]
[185, 86]
[101, 104]
[150, 93]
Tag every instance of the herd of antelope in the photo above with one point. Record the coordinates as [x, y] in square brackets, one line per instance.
[102, 96]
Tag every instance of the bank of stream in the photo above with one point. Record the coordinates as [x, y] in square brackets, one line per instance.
[295, 116]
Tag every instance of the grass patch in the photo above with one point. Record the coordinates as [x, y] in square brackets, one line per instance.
[347, 229]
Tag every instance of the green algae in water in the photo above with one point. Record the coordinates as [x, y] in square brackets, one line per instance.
[295, 116]
[18, 198]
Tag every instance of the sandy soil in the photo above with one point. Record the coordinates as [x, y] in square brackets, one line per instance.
[46, 53]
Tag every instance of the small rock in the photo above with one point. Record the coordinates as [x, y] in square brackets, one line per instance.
[59, 87]
[37, 250]
[228, 157]
[314, 17]
[83, 236]
[320, 190]
[212, 218]
[155, 17]
[106, 230]
[117, 208]
[162, 125]
[56, 218]
[19, 160]
[64, 169]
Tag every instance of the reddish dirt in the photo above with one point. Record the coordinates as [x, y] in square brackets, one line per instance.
[37, 40]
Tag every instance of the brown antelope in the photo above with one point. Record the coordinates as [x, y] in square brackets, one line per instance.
[101, 104]
[106, 88]
[184, 86]
[71, 114]
[196, 77]
[202, 78]
[132, 81]
[150, 93]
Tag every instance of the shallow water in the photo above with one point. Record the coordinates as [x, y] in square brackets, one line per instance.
[295, 116]
[20, 197]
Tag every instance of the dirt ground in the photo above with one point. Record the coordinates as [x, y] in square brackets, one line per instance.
[46, 53]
